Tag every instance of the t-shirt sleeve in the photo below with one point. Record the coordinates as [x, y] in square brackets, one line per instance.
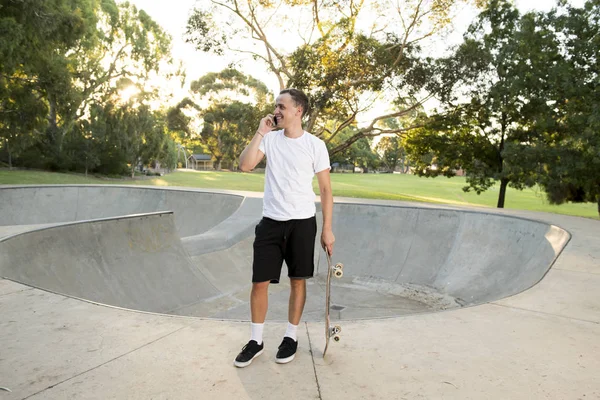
[321, 157]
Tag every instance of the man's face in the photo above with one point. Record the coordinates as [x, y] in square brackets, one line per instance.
[286, 111]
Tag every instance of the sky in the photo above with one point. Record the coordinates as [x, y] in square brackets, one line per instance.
[172, 16]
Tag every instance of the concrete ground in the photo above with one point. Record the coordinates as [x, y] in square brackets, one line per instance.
[541, 343]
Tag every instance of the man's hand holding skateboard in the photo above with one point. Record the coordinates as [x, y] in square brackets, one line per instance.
[327, 240]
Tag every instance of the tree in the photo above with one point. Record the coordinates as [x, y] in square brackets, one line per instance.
[359, 154]
[567, 154]
[168, 154]
[21, 115]
[141, 136]
[71, 53]
[123, 135]
[33, 33]
[487, 135]
[344, 67]
[391, 151]
[236, 103]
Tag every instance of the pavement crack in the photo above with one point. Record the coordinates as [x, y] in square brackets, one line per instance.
[312, 355]
[104, 363]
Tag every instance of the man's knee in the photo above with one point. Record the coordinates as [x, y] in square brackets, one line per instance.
[297, 284]
[260, 286]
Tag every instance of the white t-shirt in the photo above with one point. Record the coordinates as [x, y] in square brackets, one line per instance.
[291, 167]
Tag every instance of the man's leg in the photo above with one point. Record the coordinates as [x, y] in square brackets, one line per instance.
[300, 260]
[297, 300]
[266, 267]
[287, 349]
[259, 302]
[259, 298]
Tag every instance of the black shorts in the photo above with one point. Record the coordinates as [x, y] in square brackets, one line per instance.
[276, 241]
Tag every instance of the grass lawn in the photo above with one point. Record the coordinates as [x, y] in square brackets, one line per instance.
[373, 186]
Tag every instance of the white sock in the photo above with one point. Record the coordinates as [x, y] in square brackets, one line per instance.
[291, 331]
[257, 332]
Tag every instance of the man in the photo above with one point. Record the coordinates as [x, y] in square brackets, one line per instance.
[288, 228]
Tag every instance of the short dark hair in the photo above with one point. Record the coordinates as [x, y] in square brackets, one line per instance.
[299, 97]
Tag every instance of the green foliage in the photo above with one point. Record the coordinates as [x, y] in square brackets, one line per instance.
[343, 66]
[21, 114]
[532, 115]
[392, 151]
[220, 86]
[63, 59]
[568, 152]
[325, 70]
[202, 32]
[360, 154]
[168, 154]
[236, 103]
[486, 134]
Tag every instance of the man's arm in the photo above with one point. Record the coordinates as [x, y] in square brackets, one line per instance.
[327, 237]
[251, 155]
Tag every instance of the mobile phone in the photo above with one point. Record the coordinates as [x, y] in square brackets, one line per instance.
[275, 121]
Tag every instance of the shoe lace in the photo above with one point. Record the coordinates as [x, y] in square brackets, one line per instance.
[286, 344]
[246, 349]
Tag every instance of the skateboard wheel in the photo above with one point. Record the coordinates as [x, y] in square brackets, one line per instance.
[338, 273]
[337, 329]
[339, 265]
[336, 338]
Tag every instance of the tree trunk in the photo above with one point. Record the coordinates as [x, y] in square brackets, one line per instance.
[502, 195]
[9, 155]
[132, 170]
[503, 181]
[53, 128]
[310, 124]
[599, 205]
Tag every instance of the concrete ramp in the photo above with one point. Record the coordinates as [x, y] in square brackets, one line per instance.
[195, 212]
[135, 262]
[473, 257]
[398, 260]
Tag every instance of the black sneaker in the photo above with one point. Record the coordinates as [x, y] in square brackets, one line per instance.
[287, 350]
[249, 353]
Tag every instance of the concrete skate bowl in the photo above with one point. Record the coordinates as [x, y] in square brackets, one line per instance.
[397, 260]
[195, 212]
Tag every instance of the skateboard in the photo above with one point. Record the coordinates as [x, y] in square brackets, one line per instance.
[336, 270]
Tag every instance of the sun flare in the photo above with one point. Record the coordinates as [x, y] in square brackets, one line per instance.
[127, 93]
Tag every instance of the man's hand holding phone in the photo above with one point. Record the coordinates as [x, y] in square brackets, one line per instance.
[267, 124]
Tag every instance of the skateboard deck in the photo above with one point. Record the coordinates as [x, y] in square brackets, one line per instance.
[331, 331]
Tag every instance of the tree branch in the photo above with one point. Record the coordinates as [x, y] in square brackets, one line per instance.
[343, 125]
[371, 133]
[249, 52]
[371, 130]
[317, 20]
[256, 29]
